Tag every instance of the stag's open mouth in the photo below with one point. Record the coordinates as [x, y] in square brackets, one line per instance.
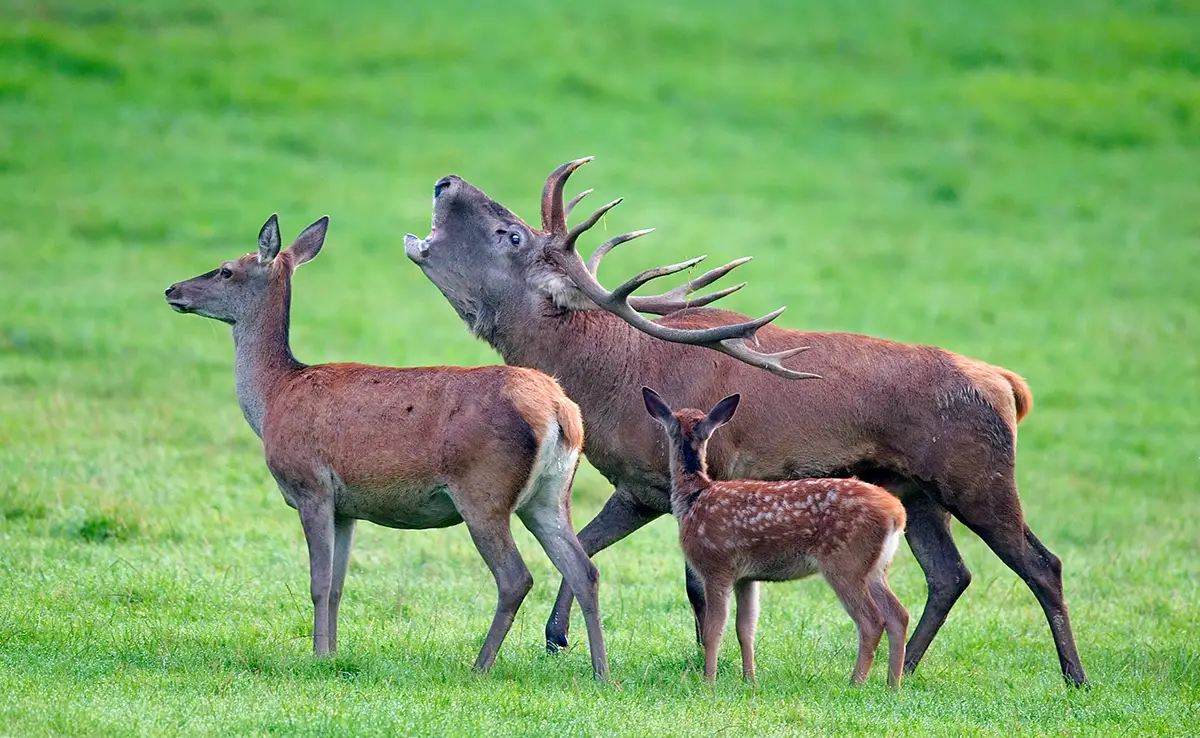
[416, 249]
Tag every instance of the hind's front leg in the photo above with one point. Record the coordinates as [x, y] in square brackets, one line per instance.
[317, 518]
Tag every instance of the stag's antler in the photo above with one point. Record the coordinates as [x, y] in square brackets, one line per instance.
[728, 339]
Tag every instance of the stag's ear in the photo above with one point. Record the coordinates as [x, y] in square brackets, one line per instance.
[268, 240]
[657, 408]
[718, 416]
[308, 244]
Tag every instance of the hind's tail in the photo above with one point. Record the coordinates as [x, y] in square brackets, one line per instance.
[570, 421]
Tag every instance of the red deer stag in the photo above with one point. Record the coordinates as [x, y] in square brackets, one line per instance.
[936, 429]
[404, 448]
[736, 534]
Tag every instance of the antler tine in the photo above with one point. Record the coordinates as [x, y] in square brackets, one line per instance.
[554, 217]
[592, 219]
[575, 201]
[677, 299]
[728, 339]
[593, 262]
[626, 289]
[665, 305]
[770, 362]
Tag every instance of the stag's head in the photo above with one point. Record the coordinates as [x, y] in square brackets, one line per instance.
[482, 257]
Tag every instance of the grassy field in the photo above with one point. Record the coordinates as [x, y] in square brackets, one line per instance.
[1018, 181]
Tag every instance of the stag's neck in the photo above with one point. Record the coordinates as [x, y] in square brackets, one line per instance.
[262, 353]
[689, 477]
[591, 353]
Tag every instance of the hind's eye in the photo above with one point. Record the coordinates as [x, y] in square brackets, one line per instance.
[514, 238]
[226, 273]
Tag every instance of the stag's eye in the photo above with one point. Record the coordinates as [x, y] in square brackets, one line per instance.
[514, 238]
[226, 273]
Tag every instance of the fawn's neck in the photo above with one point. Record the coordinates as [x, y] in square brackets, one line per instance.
[262, 354]
[689, 476]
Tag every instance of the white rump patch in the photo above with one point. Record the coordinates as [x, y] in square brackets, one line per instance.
[552, 469]
[890, 544]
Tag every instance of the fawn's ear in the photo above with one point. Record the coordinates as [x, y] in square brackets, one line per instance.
[268, 240]
[308, 244]
[657, 408]
[719, 415]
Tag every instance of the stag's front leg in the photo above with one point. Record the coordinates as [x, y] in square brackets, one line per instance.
[621, 515]
[317, 518]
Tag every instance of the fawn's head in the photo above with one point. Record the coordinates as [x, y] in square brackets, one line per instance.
[688, 430]
[236, 290]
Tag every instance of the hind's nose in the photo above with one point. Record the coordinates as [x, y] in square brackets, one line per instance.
[441, 185]
[170, 290]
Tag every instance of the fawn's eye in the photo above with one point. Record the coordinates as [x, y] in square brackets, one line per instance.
[226, 273]
[514, 238]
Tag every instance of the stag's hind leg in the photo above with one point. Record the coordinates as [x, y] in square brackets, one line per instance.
[993, 512]
[946, 574]
[621, 515]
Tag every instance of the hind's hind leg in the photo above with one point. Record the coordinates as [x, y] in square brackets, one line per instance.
[548, 517]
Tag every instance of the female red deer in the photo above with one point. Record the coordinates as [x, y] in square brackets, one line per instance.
[736, 534]
[936, 429]
[405, 448]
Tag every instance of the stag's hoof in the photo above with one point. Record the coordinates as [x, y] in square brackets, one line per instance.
[556, 642]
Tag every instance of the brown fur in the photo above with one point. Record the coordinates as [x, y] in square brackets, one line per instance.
[935, 428]
[401, 447]
[735, 533]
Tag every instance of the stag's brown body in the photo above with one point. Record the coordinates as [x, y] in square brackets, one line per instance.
[935, 428]
[400, 447]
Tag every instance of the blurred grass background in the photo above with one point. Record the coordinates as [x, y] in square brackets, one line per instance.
[1017, 181]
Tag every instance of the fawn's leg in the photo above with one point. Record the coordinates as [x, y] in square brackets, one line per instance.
[747, 620]
[716, 613]
[343, 537]
[895, 619]
[851, 589]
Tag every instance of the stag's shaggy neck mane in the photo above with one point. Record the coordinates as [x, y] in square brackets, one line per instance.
[262, 352]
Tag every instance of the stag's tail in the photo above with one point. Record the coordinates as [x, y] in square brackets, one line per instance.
[1021, 394]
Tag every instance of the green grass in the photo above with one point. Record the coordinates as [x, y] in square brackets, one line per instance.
[1014, 180]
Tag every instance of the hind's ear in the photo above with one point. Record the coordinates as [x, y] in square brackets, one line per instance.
[657, 408]
[719, 415]
[268, 240]
[308, 244]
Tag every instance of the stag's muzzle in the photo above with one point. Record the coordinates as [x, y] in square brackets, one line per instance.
[417, 249]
